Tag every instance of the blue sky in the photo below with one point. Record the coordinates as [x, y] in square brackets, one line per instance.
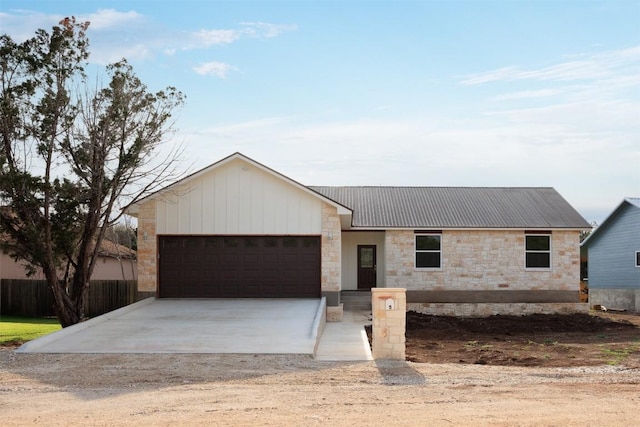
[420, 93]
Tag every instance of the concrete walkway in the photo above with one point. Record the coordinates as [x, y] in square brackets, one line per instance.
[346, 340]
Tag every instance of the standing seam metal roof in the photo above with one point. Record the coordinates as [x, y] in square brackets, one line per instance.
[456, 207]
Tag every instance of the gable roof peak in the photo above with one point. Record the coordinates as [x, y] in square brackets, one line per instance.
[632, 201]
[133, 208]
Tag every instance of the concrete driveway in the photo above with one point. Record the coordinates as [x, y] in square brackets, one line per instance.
[275, 326]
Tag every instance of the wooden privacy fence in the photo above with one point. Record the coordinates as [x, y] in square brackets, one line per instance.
[34, 299]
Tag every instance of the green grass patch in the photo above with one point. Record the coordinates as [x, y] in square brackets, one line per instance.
[616, 356]
[17, 330]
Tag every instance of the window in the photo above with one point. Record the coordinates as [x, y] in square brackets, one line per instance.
[538, 251]
[367, 255]
[428, 251]
[637, 258]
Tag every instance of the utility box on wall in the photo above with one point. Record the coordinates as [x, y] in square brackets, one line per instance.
[389, 310]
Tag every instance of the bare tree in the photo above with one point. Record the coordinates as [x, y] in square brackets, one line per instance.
[71, 156]
[586, 233]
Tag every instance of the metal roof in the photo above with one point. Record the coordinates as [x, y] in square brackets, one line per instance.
[456, 207]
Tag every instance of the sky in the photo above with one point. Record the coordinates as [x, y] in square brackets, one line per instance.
[362, 92]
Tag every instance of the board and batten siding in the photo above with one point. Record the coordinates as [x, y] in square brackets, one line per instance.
[612, 253]
[238, 198]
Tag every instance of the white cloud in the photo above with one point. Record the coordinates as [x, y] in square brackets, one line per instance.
[207, 38]
[115, 34]
[578, 134]
[596, 115]
[580, 148]
[542, 93]
[575, 70]
[264, 30]
[217, 69]
[21, 24]
[106, 53]
[593, 66]
[105, 19]
[505, 73]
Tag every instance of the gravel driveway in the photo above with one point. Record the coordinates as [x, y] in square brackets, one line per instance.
[166, 389]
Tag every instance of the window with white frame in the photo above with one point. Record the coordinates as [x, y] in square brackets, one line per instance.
[428, 250]
[537, 251]
[637, 258]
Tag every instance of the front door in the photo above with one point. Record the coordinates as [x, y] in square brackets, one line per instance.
[366, 266]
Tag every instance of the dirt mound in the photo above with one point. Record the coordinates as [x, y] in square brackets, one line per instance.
[517, 324]
[534, 340]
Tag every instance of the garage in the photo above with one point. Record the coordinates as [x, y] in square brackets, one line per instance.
[239, 266]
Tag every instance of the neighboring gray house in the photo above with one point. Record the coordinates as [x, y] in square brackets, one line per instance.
[613, 251]
[238, 229]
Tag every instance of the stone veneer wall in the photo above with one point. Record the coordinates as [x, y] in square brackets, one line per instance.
[478, 260]
[489, 309]
[483, 260]
[388, 323]
[147, 248]
[331, 250]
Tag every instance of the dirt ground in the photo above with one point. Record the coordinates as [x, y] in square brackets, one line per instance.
[537, 340]
[262, 390]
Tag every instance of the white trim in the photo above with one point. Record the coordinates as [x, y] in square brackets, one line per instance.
[550, 251]
[415, 251]
[637, 260]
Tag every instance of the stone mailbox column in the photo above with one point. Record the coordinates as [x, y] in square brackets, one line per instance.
[389, 309]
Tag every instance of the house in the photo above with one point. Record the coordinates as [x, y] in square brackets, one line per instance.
[613, 251]
[110, 288]
[115, 262]
[240, 229]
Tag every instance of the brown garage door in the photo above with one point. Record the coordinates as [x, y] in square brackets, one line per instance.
[239, 266]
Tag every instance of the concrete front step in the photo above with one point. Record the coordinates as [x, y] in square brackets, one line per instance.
[356, 300]
[356, 308]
